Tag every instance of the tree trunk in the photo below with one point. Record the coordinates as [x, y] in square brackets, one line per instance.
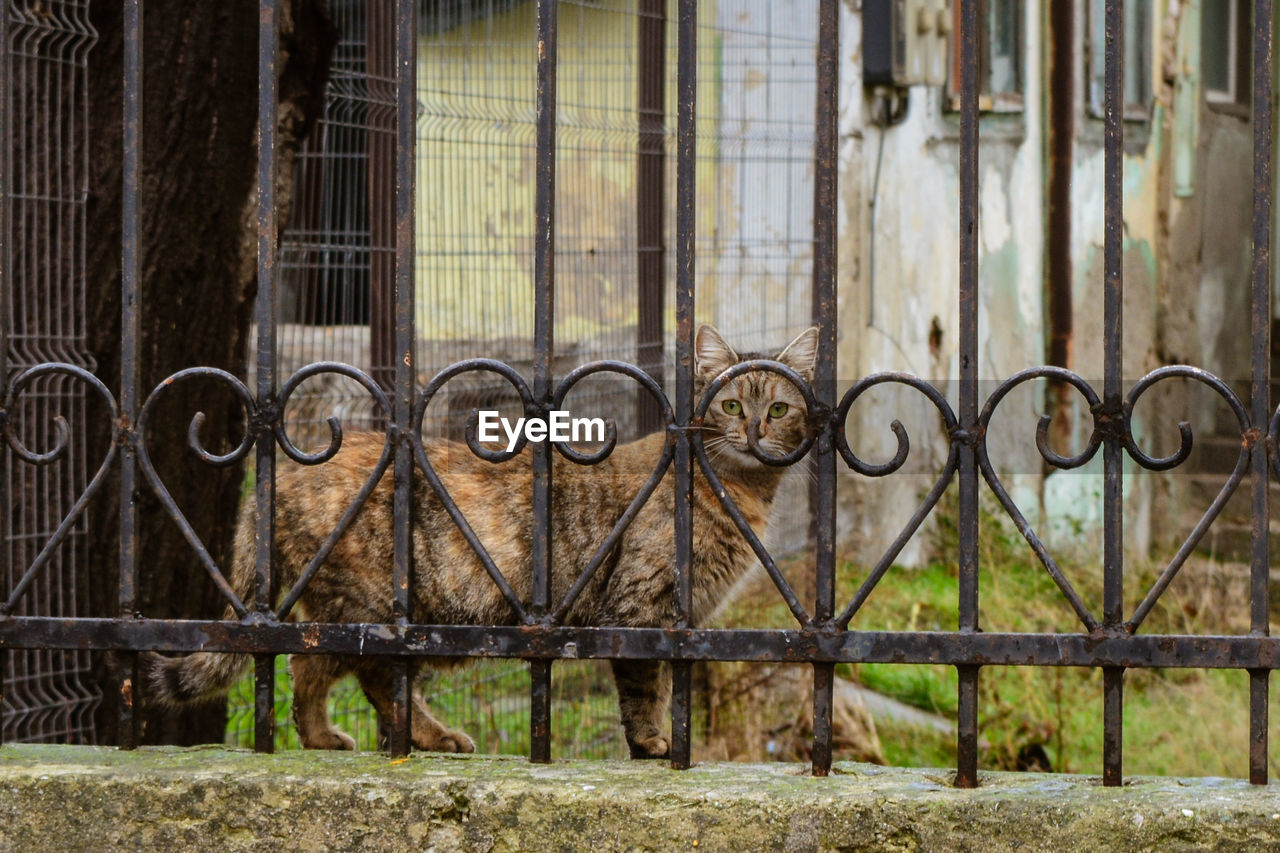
[198, 251]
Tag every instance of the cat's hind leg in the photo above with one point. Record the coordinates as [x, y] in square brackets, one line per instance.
[313, 676]
[428, 733]
[644, 702]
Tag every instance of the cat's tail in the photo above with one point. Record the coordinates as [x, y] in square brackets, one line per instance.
[173, 681]
[203, 676]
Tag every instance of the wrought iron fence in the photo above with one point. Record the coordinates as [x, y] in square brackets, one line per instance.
[1109, 640]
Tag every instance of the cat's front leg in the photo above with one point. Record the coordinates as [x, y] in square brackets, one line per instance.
[644, 702]
[313, 676]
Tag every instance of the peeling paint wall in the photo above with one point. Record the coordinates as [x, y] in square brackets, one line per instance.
[1186, 264]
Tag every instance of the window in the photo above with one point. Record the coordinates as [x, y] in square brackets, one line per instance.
[999, 56]
[1137, 57]
[1226, 53]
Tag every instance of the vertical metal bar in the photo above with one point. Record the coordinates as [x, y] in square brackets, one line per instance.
[1259, 615]
[1113, 345]
[686, 189]
[824, 316]
[544, 346]
[6, 293]
[265, 317]
[380, 70]
[967, 710]
[406, 139]
[651, 161]
[127, 733]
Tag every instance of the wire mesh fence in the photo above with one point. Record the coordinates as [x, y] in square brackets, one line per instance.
[49, 696]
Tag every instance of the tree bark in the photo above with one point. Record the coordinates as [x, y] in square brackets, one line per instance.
[198, 281]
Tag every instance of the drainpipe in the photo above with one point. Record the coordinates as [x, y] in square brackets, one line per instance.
[1061, 143]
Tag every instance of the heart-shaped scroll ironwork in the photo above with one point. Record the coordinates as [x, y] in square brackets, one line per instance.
[47, 457]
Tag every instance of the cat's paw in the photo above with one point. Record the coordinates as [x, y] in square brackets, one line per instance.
[332, 739]
[447, 740]
[651, 747]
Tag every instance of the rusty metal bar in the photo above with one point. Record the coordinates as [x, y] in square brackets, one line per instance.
[1260, 385]
[130, 273]
[826, 149]
[686, 225]
[6, 291]
[401, 723]
[1110, 415]
[544, 347]
[967, 709]
[380, 117]
[265, 315]
[651, 167]
[950, 648]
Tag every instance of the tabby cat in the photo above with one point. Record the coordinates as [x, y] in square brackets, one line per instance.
[633, 588]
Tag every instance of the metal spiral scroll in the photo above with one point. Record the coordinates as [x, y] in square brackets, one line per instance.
[822, 425]
[251, 432]
[1118, 426]
[335, 443]
[1106, 423]
[815, 428]
[47, 457]
[1052, 458]
[1177, 458]
[531, 409]
[838, 426]
[261, 423]
[611, 438]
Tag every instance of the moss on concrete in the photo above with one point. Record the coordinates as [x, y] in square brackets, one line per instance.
[214, 799]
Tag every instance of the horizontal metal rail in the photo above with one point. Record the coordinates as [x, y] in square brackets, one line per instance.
[537, 642]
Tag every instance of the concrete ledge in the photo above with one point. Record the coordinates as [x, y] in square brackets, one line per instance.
[75, 798]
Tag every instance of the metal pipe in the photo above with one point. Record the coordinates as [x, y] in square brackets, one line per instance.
[967, 709]
[1061, 130]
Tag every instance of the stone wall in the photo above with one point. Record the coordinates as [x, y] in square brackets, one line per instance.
[81, 798]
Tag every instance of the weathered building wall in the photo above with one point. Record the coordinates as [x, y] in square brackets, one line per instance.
[1186, 264]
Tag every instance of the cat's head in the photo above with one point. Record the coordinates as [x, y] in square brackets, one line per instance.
[767, 397]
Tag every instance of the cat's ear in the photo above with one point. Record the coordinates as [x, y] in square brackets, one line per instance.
[711, 355]
[801, 355]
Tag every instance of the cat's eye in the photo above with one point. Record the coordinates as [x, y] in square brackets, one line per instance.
[777, 410]
[731, 407]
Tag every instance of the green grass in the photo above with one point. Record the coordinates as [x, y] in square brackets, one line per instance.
[1176, 722]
